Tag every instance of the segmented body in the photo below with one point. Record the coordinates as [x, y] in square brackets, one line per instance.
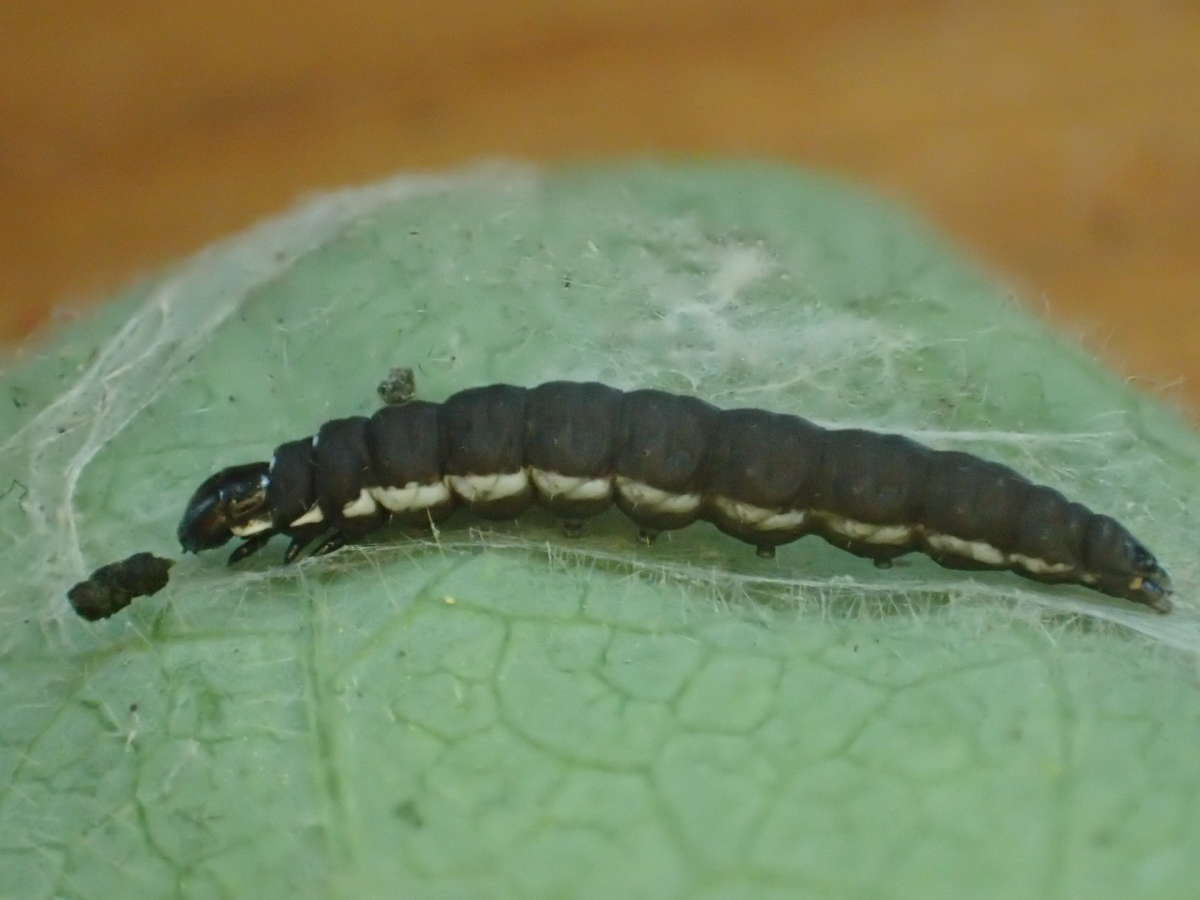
[667, 461]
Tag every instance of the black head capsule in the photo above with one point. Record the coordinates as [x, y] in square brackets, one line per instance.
[231, 502]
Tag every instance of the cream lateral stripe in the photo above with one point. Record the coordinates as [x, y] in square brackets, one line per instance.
[640, 494]
[976, 550]
[570, 487]
[254, 526]
[312, 517]
[362, 505]
[759, 517]
[896, 535]
[483, 488]
[893, 535]
[1040, 566]
[413, 496]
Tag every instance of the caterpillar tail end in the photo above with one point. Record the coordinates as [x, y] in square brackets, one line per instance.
[1153, 590]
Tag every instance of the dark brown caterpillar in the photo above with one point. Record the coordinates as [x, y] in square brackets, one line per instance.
[666, 460]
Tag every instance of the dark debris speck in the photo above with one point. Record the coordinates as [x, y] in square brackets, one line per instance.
[398, 387]
[408, 811]
[113, 587]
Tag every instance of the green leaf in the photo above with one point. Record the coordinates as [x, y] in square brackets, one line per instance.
[504, 712]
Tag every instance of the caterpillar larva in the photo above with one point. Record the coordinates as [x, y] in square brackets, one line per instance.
[665, 460]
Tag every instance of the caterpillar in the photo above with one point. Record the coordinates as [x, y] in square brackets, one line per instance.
[666, 461]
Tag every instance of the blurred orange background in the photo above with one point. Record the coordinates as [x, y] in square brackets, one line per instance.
[1059, 142]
